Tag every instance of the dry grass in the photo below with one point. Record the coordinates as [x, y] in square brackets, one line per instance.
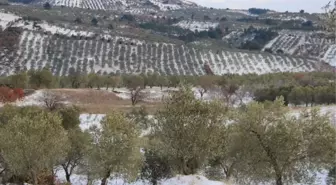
[101, 102]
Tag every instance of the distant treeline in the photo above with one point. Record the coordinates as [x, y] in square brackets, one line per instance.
[296, 88]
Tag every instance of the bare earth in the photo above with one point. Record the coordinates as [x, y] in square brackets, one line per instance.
[100, 101]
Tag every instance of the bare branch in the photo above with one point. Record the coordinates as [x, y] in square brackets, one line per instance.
[51, 100]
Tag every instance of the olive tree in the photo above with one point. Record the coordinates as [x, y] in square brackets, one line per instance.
[205, 84]
[78, 141]
[33, 140]
[186, 128]
[282, 147]
[115, 149]
[330, 16]
[135, 84]
[76, 151]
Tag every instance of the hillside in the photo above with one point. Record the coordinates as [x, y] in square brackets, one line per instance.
[121, 55]
[66, 50]
[125, 5]
[311, 44]
[179, 40]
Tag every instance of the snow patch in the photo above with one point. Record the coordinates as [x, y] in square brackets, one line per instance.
[31, 100]
[90, 120]
[6, 19]
[178, 180]
[196, 25]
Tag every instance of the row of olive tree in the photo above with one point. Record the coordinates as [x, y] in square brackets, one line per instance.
[260, 142]
[34, 141]
[299, 95]
[44, 79]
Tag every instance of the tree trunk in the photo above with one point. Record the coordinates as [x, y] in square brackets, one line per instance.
[34, 178]
[279, 180]
[67, 173]
[154, 182]
[104, 180]
[133, 101]
[89, 181]
[67, 176]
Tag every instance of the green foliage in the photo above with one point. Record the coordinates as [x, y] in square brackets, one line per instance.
[258, 11]
[94, 80]
[8, 112]
[19, 80]
[115, 149]
[133, 82]
[331, 179]
[94, 21]
[270, 94]
[47, 6]
[186, 128]
[127, 17]
[79, 143]
[228, 154]
[283, 148]
[156, 167]
[153, 79]
[163, 28]
[75, 80]
[41, 79]
[70, 117]
[26, 141]
[139, 116]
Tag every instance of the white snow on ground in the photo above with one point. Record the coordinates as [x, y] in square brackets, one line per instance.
[178, 180]
[155, 94]
[165, 6]
[53, 29]
[90, 120]
[234, 34]
[324, 110]
[285, 17]
[31, 100]
[190, 180]
[196, 25]
[330, 55]
[6, 19]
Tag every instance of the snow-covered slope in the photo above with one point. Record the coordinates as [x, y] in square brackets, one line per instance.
[308, 44]
[125, 5]
[197, 25]
[6, 19]
[122, 55]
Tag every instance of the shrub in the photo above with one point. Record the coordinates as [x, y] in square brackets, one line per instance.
[10, 95]
[155, 168]
[258, 11]
[47, 6]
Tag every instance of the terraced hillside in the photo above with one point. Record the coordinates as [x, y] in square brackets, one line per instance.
[121, 55]
[304, 44]
[126, 5]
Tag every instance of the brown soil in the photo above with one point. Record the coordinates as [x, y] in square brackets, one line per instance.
[100, 101]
